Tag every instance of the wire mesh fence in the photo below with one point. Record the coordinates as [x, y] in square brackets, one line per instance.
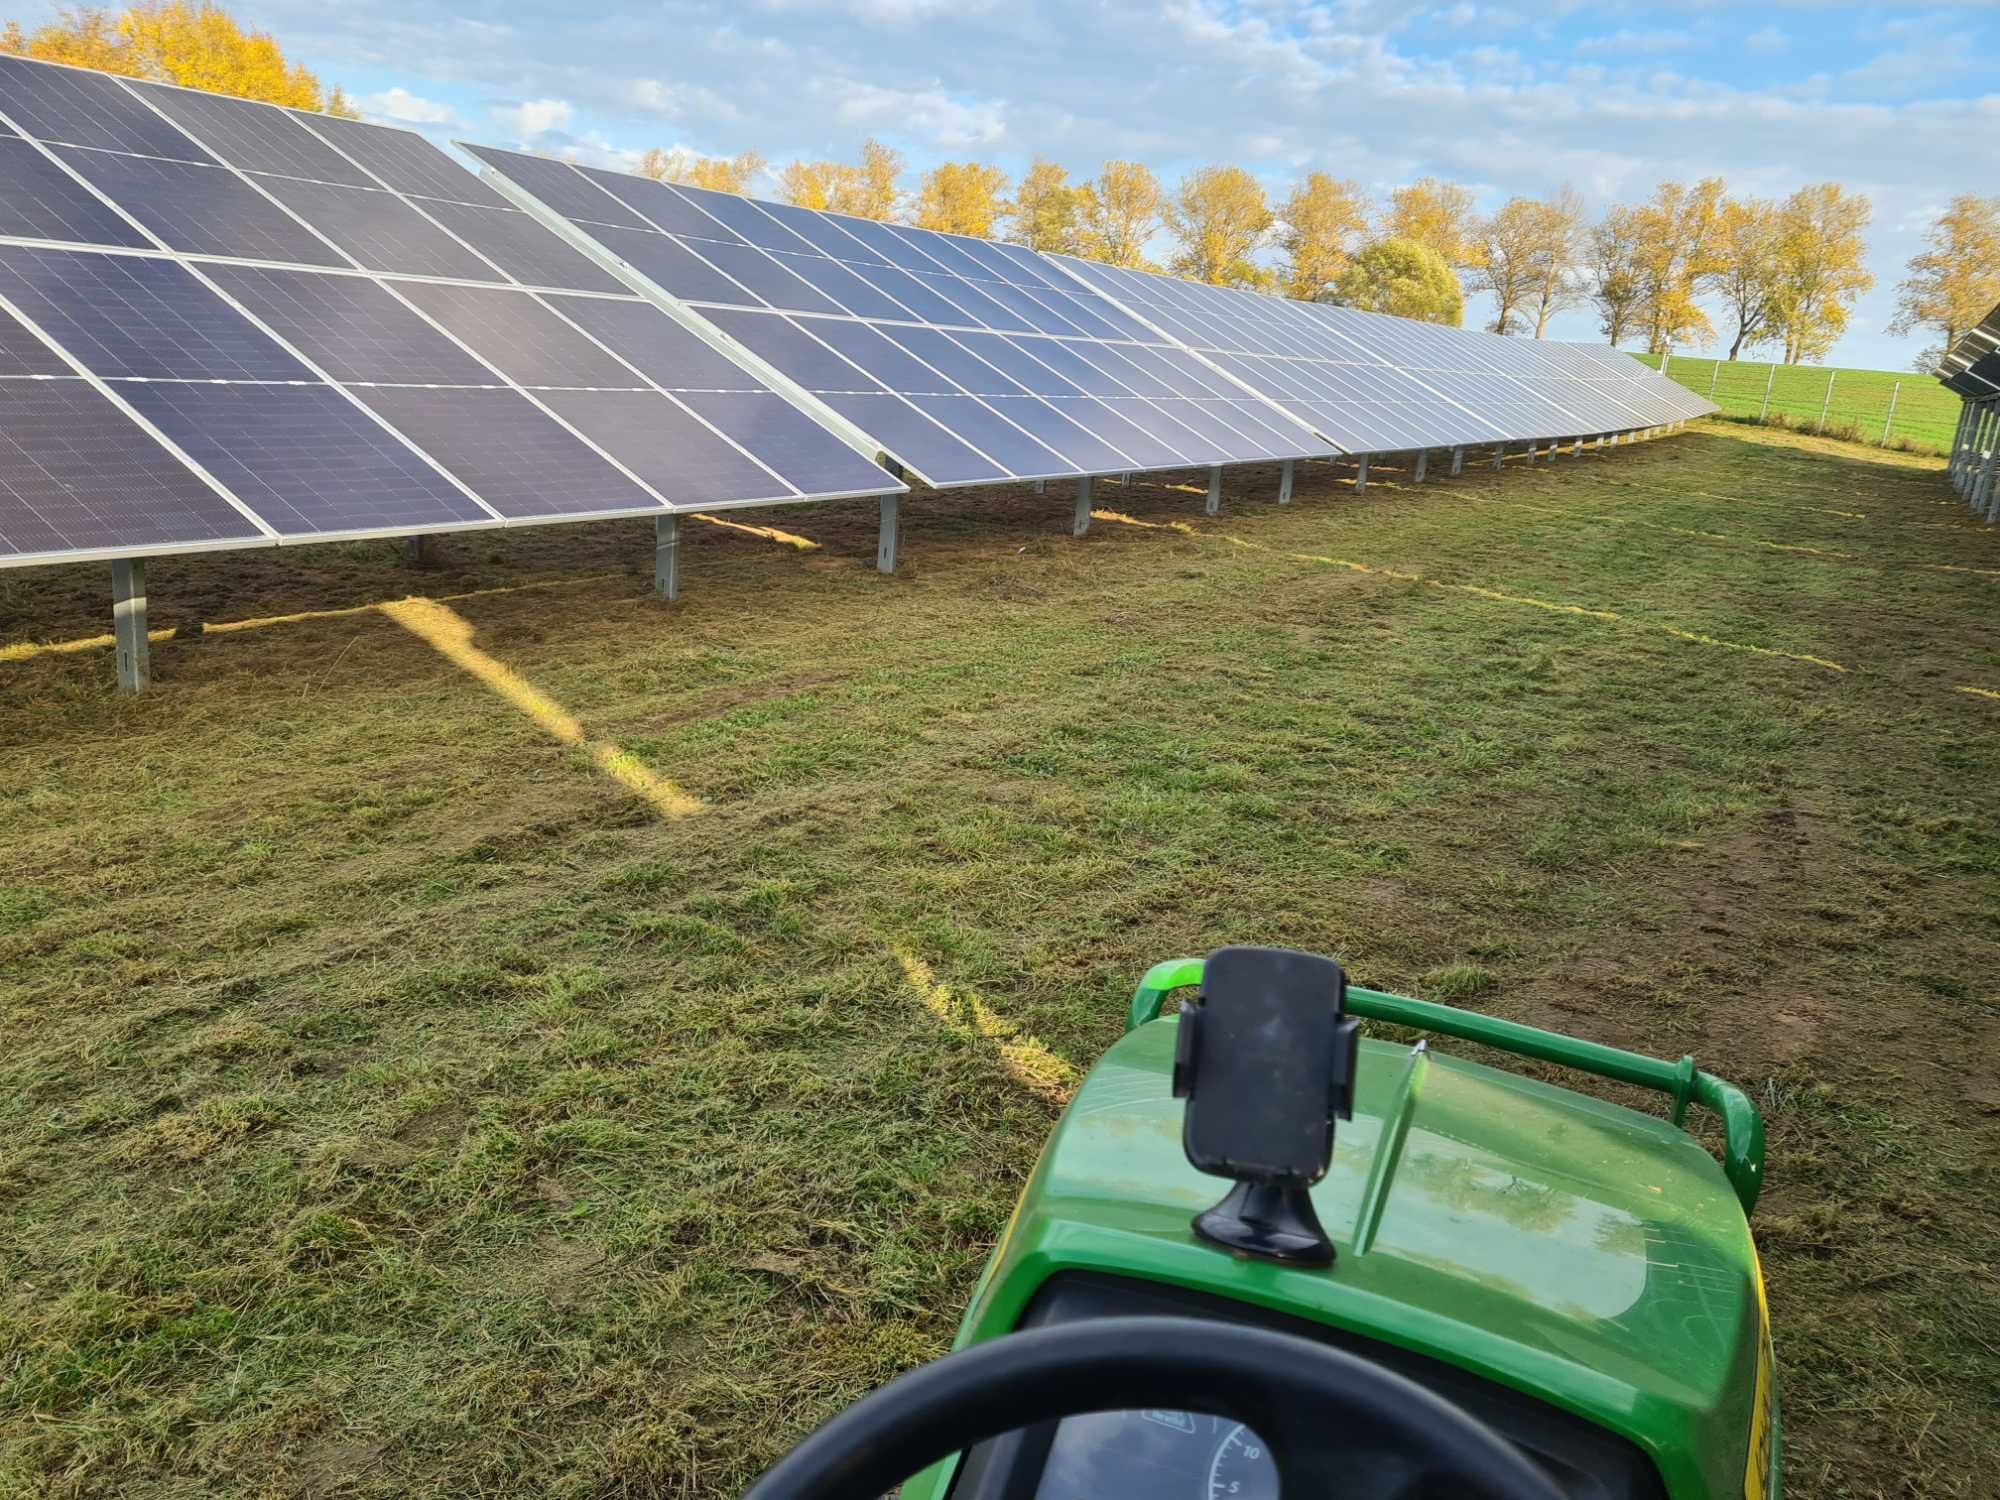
[1882, 407]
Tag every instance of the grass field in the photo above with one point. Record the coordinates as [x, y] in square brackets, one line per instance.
[1858, 410]
[531, 1039]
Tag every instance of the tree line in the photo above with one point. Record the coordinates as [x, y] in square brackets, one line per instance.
[1785, 273]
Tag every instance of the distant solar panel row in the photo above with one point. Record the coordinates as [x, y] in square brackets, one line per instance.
[966, 360]
[239, 283]
[982, 330]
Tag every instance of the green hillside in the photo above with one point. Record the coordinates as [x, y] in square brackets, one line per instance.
[1924, 417]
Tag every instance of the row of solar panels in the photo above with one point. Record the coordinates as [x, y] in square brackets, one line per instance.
[224, 323]
[1971, 367]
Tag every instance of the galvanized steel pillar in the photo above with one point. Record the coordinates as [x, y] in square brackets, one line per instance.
[1214, 506]
[887, 542]
[1423, 458]
[1082, 507]
[1361, 474]
[128, 622]
[667, 557]
[1457, 460]
[1285, 483]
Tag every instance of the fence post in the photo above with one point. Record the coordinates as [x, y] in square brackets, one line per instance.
[1828, 401]
[1717, 370]
[1894, 391]
[1768, 379]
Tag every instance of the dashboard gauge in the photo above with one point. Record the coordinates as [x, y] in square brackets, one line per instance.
[1241, 1468]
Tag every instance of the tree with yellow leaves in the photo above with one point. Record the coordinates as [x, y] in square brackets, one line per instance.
[1678, 250]
[1613, 267]
[1117, 212]
[961, 197]
[1437, 215]
[721, 174]
[1955, 280]
[196, 45]
[1219, 216]
[1045, 208]
[1821, 268]
[1508, 259]
[867, 190]
[1747, 270]
[1561, 235]
[1318, 226]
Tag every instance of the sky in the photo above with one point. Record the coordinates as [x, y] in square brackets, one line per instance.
[1891, 100]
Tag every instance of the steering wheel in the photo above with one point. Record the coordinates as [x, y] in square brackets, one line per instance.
[1325, 1415]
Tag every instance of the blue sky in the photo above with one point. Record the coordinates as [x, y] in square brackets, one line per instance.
[1889, 99]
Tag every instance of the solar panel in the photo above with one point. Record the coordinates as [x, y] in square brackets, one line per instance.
[78, 475]
[205, 210]
[822, 299]
[282, 374]
[40, 201]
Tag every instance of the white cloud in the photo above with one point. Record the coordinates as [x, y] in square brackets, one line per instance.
[1634, 44]
[405, 108]
[536, 117]
[928, 113]
[1767, 41]
[680, 101]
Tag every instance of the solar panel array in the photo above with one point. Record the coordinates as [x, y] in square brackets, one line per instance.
[1374, 383]
[224, 323]
[967, 361]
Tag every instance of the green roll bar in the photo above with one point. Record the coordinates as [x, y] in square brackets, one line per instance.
[1683, 1082]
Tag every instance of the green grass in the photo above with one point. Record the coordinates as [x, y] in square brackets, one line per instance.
[393, 1103]
[1858, 409]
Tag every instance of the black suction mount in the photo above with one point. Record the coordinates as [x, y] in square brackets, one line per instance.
[1266, 1063]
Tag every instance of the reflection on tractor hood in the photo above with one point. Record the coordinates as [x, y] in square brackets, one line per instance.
[1537, 1223]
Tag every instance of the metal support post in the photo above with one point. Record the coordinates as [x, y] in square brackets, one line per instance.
[1975, 458]
[1423, 458]
[1894, 391]
[1041, 486]
[1361, 473]
[1124, 481]
[1980, 466]
[1824, 404]
[1531, 451]
[886, 542]
[1215, 491]
[667, 557]
[1717, 370]
[1768, 381]
[418, 552]
[1499, 454]
[128, 622]
[1957, 442]
[1082, 507]
[1457, 461]
[1577, 451]
[1285, 483]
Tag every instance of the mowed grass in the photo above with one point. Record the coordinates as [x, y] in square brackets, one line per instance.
[397, 1100]
[1857, 407]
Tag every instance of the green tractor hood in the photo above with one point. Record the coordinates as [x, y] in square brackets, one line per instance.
[1589, 1255]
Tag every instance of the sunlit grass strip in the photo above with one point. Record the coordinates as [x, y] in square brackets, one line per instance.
[450, 634]
[1980, 693]
[769, 533]
[1022, 1054]
[28, 650]
[1547, 605]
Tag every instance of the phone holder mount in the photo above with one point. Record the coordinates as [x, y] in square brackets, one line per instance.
[1265, 1060]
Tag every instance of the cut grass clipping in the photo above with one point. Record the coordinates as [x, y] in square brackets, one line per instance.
[573, 1047]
